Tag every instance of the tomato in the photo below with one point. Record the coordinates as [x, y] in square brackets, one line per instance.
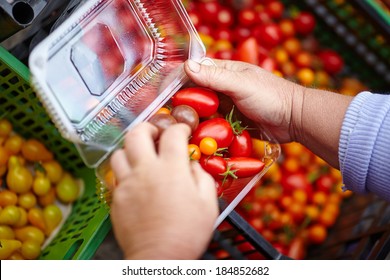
[268, 63]
[67, 189]
[225, 17]
[30, 233]
[204, 101]
[186, 114]
[4, 156]
[246, 17]
[163, 110]
[14, 144]
[245, 166]
[52, 216]
[268, 35]
[324, 183]
[5, 128]
[50, 197]
[19, 178]
[215, 165]
[241, 145]
[162, 121]
[41, 184]
[331, 61]
[208, 146]
[306, 76]
[304, 23]
[248, 51]
[8, 246]
[297, 249]
[287, 28]
[30, 249]
[9, 215]
[27, 200]
[54, 170]
[7, 198]
[194, 152]
[275, 9]
[35, 217]
[297, 180]
[241, 33]
[218, 128]
[208, 11]
[317, 234]
[6, 232]
[34, 150]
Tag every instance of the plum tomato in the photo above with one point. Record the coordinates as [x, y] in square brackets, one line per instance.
[248, 51]
[241, 145]
[244, 166]
[204, 101]
[214, 165]
[162, 121]
[186, 114]
[217, 128]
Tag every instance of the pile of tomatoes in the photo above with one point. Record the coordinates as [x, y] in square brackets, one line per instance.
[268, 33]
[298, 199]
[219, 142]
[33, 184]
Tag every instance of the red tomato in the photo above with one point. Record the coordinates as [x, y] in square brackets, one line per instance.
[217, 128]
[214, 165]
[225, 17]
[203, 100]
[241, 145]
[304, 23]
[268, 35]
[297, 249]
[241, 33]
[245, 166]
[295, 181]
[268, 64]
[275, 9]
[247, 17]
[325, 183]
[208, 11]
[248, 51]
[331, 61]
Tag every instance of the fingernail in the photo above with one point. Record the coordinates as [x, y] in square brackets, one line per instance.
[194, 66]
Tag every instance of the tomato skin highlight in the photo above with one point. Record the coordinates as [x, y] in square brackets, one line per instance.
[214, 165]
[217, 128]
[204, 101]
[241, 145]
[245, 166]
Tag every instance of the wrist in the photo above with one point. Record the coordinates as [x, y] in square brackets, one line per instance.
[296, 129]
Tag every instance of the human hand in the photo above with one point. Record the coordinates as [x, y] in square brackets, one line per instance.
[260, 95]
[164, 205]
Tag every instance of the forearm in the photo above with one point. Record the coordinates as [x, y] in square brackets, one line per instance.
[317, 119]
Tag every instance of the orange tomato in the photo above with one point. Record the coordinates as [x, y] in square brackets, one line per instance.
[13, 144]
[194, 152]
[306, 76]
[163, 110]
[5, 128]
[8, 198]
[34, 150]
[48, 198]
[316, 234]
[208, 146]
[4, 156]
[35, 217]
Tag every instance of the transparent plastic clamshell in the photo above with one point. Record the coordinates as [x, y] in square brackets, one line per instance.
[109, 66]
[112, 65]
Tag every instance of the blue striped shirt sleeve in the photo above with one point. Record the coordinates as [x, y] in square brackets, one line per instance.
[364, 146]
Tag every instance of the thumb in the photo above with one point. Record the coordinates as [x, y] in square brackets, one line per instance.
[215, 77]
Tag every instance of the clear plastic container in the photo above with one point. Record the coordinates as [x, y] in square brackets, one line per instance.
[112, 65]
[109, 66]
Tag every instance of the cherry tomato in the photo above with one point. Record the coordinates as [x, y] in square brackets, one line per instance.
[194, 152]
[163, 110]
[34, 150]
[19, 178]
[8, 247]
[4, 156]
[241, 145]
[41, 184]
[268, 35]
[6, 232]
[325, 183]
[35, 217]
[304, 23]
[297, 180]
[67, 189]
[27, 200]
[203, 100]
[30, 233]
[186, 114]
[214, 165]
[162, 121]
[54, 170]
[5, 128]
[275, 9]
[331, 61]
[245, 166]
[14, 144]
[30, 249]
[9, 215]
[52, 216]
[317, 234]
[248, 51]
[218, 128]
[7, 198]
[247, 17]
[208, 146]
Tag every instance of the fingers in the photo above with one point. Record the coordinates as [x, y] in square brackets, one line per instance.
[173, 143]
[225, 76]
[140, 143]
[120, 165]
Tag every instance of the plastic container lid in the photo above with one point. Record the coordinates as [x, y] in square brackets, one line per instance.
[111, 65]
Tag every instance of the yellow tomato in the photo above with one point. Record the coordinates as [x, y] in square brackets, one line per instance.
[54, 170]
[53, 216]
[41, 184]
[8, 198]
[13, 144]
[8, 246]
[6, 232]
[9, 215]
[5, 128]
[19, 178]
[30, 249]
[30, 233]
[208, 146]
[67, 189]
[27, 200]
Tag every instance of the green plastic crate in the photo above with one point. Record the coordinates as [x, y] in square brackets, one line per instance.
[87, 225]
